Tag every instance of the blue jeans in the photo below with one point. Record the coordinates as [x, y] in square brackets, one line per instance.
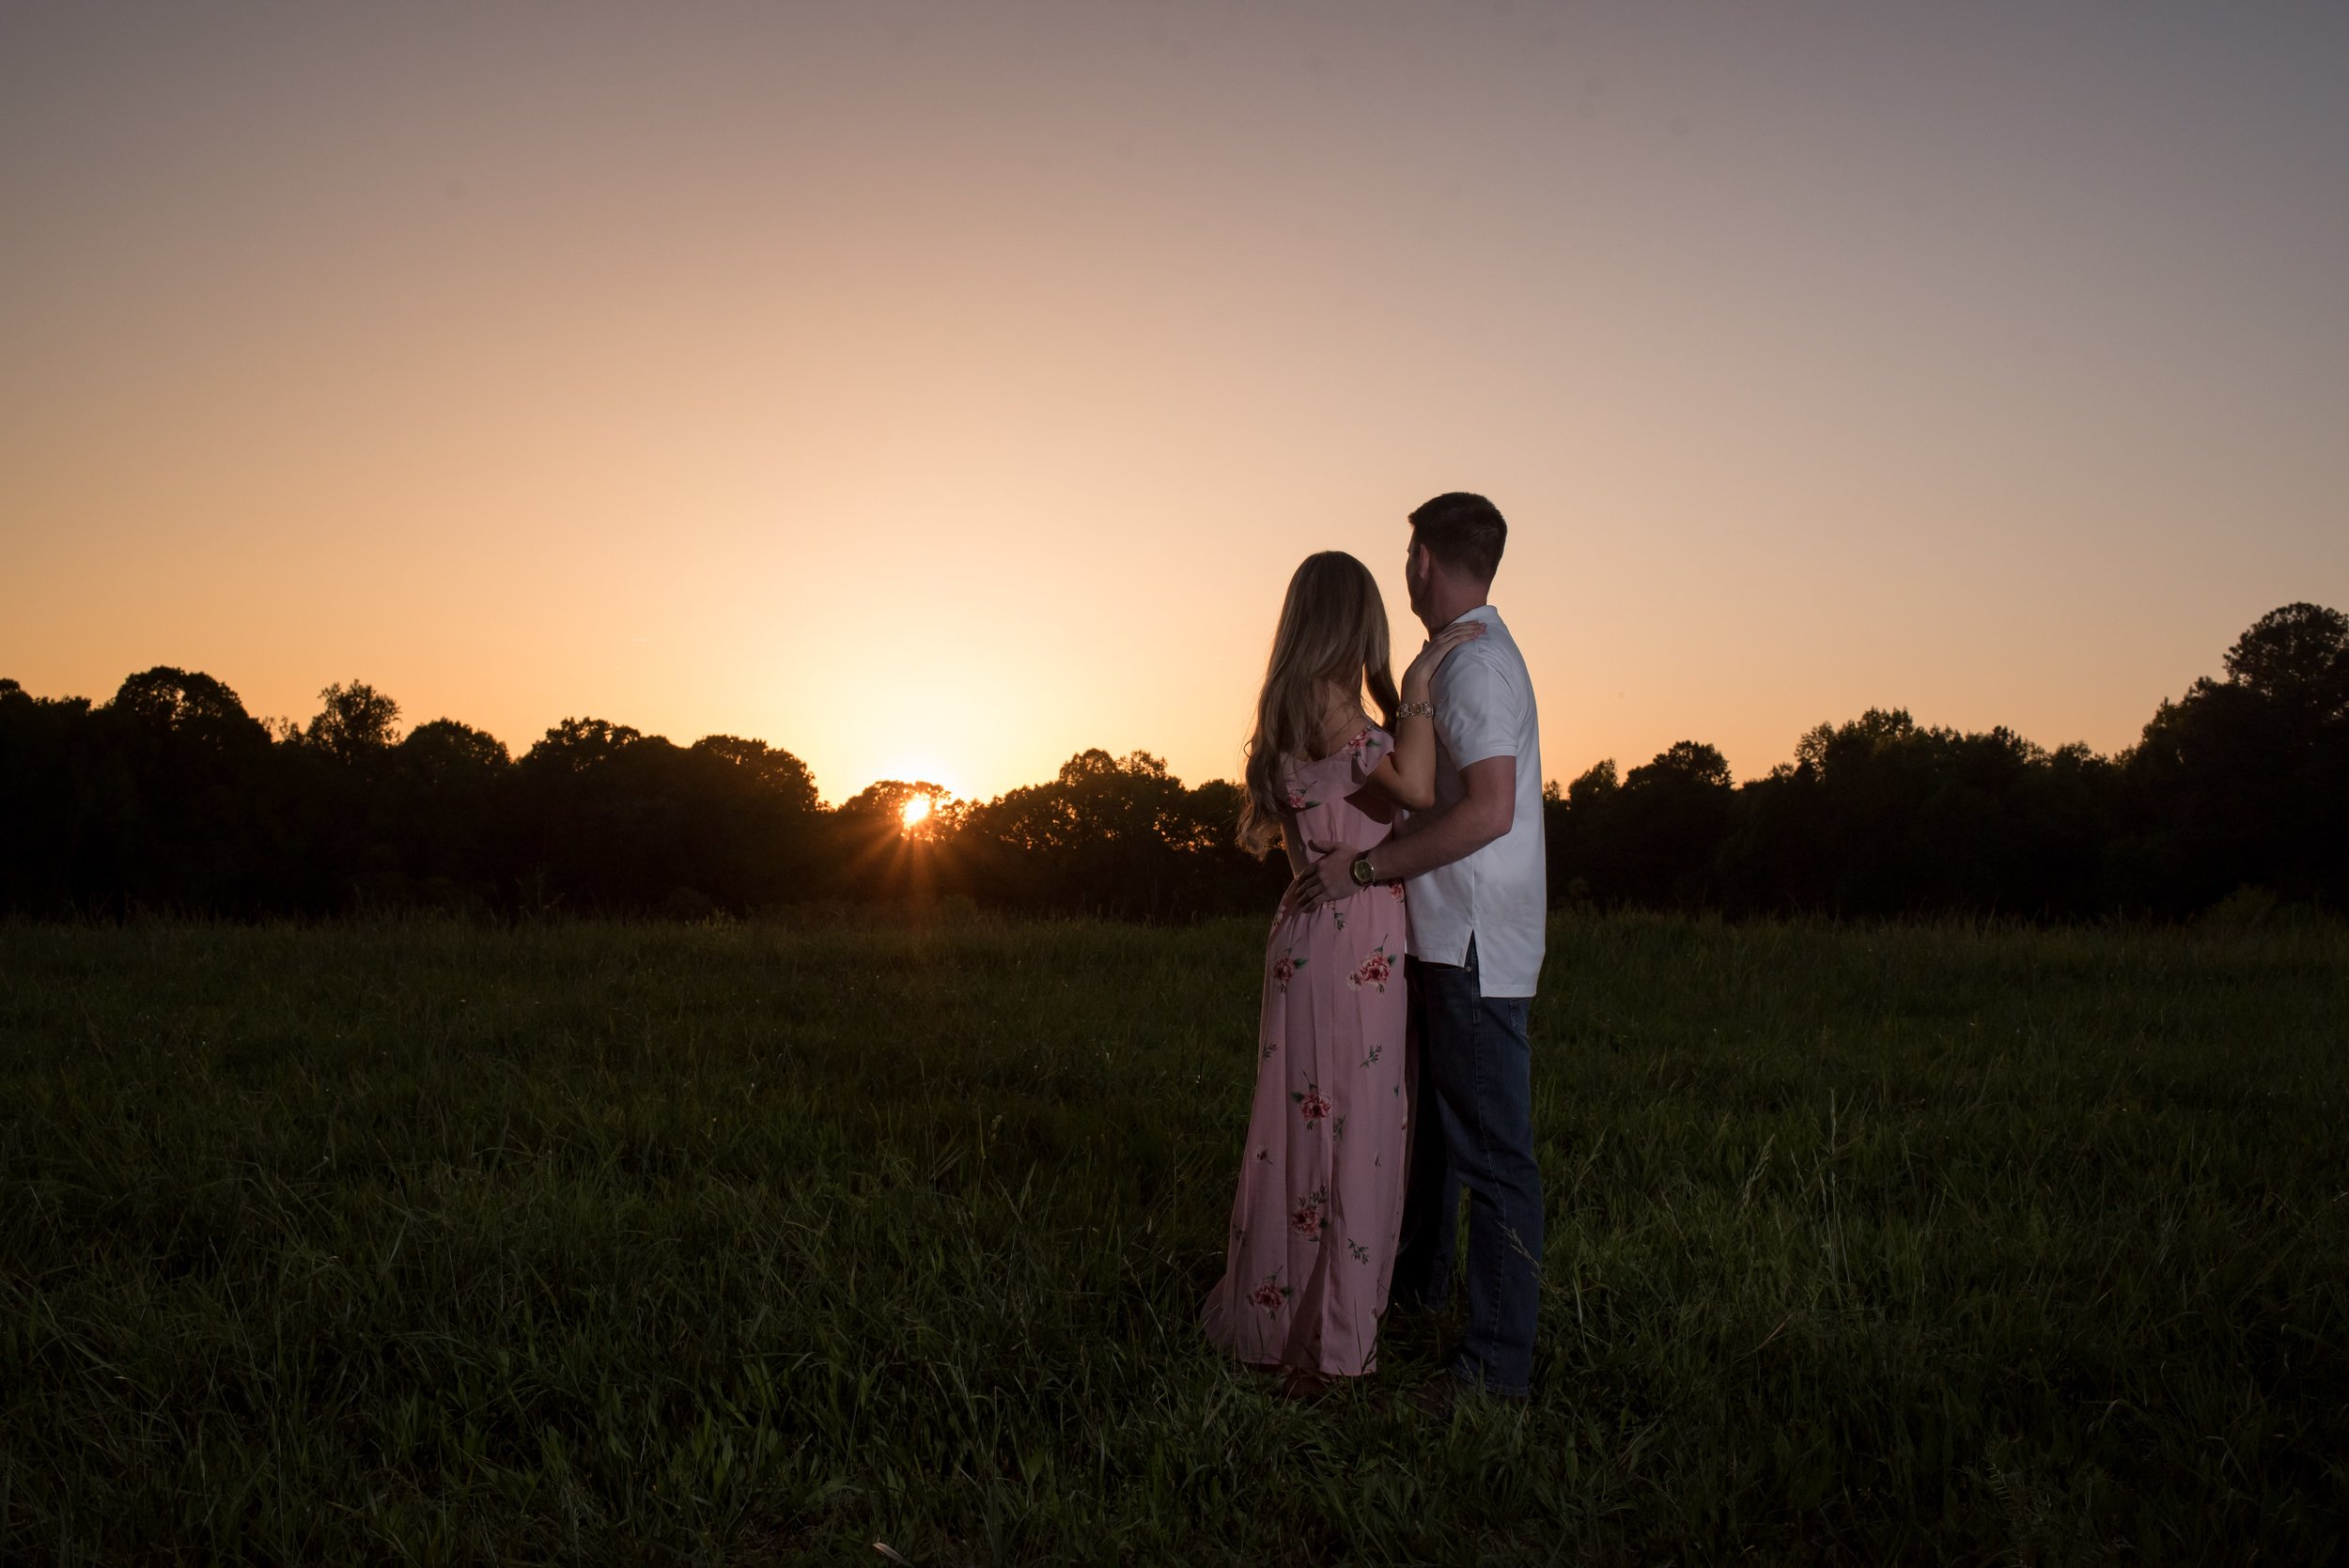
[1473, 1128]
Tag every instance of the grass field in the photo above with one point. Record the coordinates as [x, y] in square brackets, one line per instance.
[443, 1243]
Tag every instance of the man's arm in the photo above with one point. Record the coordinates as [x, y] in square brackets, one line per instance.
[1483, 813]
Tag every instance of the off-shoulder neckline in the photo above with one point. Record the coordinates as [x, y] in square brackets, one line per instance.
[1346, 746]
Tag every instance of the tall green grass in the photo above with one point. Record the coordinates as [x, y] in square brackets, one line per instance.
[437, 1242]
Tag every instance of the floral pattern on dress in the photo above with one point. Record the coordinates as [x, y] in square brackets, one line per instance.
[1312, 1104]
[1373, 970]
[1308, 1217]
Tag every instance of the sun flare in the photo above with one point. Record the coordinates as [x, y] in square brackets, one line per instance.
[915, 812]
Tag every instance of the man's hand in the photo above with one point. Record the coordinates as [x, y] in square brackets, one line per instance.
[1326, 880]
[1484, 812]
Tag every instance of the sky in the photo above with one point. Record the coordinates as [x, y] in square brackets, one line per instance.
[937, 390]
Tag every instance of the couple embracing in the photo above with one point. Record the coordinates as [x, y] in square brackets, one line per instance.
[1393, 1065]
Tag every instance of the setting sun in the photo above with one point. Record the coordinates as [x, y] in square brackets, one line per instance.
[916, 811]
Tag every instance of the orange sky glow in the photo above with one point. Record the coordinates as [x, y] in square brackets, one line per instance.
[936, 390]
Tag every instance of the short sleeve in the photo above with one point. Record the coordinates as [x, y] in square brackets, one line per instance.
[1480, 712]
[1365, 751]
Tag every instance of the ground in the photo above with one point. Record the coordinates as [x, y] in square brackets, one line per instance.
[444, 1242]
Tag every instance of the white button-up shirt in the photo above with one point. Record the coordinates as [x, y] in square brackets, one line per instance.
[1501, 894]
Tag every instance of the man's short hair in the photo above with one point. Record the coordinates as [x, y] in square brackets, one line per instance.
[1465, 531]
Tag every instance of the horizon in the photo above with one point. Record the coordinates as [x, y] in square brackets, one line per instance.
[938, 394]
[404, 724]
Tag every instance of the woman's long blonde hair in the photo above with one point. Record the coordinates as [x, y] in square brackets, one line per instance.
[1333, 628]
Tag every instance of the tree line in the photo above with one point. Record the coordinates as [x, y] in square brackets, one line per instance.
[171, 798]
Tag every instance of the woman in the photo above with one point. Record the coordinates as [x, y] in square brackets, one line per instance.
[1320, 1195]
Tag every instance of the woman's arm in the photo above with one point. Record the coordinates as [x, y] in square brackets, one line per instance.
[1485, 812]
[1407, 775]
[1296, 851]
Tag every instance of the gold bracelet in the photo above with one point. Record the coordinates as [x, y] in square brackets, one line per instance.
[1415, 710]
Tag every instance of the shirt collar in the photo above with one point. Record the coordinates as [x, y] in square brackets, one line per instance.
[1484, 613]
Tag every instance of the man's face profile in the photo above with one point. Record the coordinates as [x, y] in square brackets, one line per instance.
[1415, 575]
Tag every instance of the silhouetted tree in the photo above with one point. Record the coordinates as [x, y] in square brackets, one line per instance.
[1572, 835]
[54, 796]
[2241, 780]
[1650, 839]
[579, 745]
[1115, 835]
[172, 797]
[438, 807]
[2296, 657]
[355, 724]
[1882, 816]
[878, 857]
[445, 752]
[173, 700]
[601, 815]
[767, 770]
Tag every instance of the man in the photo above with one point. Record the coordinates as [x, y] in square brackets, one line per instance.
[1477, 902]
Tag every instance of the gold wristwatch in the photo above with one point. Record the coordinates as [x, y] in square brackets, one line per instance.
[1363, 877]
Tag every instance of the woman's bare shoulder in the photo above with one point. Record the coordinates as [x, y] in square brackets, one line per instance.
[1339, 729]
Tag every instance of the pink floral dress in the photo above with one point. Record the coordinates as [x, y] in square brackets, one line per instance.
[1320, 1198]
